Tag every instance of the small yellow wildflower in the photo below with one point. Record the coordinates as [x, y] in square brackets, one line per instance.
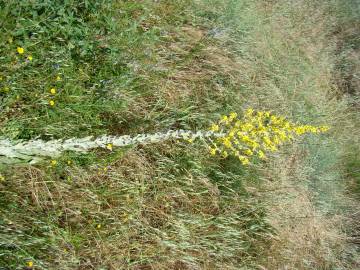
[276, 140]
[30, 58]
[53, 91]
[249, 112]
[212, 151]
[233, 115]
[244, 160]
[109, 146]
[225, 154]
[231, 133]
[214, 127]
[190, 140]
[52, 103]
[224, 119]
[324, 128]
[261, 154]
[30, 264]
[98, 226]
[244, 138]
[267, 141]
[20, 50]
[227, 143]
[53, 162]
[69, 162]
[2, 178]
[248, 152]
[58, 78]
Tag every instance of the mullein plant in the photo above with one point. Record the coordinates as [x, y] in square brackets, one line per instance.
[254, 135]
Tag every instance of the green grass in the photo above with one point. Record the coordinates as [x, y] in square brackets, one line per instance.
[142, 66]
[114, 59]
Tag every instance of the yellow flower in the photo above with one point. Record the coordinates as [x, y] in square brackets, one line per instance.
[276, 140]
[254, 145]
[52, 103]
[214, 128]
[232, 133]
[2, 178]
[53, 91]
[324, 128]
[109, 146]
[227, 143]
[30, 264]
[261, 154]
[267, 141]
[233, 115]
[247, 127]
[58, 78]
[69, 162]
[20, 50]
[244, 160]
[256, 132]
[212, 151]
[53, 162]
[244, 138]
[225, 120]
[98, 226]
[249, 112]
[30, 58]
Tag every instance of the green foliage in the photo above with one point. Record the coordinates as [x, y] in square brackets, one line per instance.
[100, 50]
[105, 61]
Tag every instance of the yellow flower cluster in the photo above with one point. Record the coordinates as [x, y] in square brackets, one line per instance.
[255, 134]
[53, 92]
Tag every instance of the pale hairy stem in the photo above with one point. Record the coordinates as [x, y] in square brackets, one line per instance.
[34, 151]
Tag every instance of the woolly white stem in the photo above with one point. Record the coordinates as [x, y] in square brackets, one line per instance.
[35, 150]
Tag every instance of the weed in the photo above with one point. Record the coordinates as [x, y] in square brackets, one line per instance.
[71, 69]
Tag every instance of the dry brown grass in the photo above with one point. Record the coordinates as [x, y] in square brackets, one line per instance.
[196, 64]
[306, 237]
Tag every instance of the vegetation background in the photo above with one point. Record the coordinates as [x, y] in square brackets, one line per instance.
[124, 67]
